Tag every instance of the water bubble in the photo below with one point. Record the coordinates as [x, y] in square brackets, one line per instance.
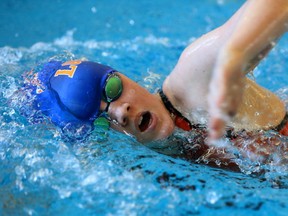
[10, 55]
[220, 2]
[40, 174]
[131, 22]
[94, 10]
[212, 197]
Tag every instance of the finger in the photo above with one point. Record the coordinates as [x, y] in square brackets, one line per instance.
[225, 97]
[216, 128]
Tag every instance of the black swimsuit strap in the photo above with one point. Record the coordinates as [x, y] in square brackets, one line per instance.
[283, 123]
[169, 105]
[180, 119]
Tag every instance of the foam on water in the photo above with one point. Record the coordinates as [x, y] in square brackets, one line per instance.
[113, 174]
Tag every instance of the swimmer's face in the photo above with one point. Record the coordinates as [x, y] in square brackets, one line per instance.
[139, 113]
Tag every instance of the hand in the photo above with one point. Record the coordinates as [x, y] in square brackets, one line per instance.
[253, 32]
[226, 89]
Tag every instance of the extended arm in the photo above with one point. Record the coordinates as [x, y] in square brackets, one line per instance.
[260, 24]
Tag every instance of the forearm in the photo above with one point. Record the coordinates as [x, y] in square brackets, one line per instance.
[260, 23]
[252, 31]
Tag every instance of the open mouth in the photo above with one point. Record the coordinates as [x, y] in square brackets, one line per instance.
[144, 121]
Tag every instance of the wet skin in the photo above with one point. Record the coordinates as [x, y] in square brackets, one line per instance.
[139, 113]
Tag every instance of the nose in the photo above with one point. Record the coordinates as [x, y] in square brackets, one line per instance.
[121, 114]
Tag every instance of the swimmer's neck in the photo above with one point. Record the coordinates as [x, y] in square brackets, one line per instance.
[179, 120]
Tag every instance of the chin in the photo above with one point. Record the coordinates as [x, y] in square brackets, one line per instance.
[165, 132]
[162, 134]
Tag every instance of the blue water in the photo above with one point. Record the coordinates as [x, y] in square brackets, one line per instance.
[110, 173]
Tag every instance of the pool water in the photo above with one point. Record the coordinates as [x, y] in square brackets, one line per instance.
[110, 173]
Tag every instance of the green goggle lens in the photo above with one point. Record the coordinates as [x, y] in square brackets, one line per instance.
[113, 88]
[112, 91]
[102, 122]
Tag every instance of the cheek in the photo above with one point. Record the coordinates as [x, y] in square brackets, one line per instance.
[130, 94]
[133, 97]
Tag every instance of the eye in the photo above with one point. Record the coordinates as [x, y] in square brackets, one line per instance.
[113, 88]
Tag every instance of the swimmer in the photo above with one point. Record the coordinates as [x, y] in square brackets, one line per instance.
[78, 92]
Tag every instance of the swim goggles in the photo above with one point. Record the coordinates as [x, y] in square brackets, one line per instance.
[112, 91]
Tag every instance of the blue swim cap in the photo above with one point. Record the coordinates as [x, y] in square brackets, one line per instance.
[70, 92]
